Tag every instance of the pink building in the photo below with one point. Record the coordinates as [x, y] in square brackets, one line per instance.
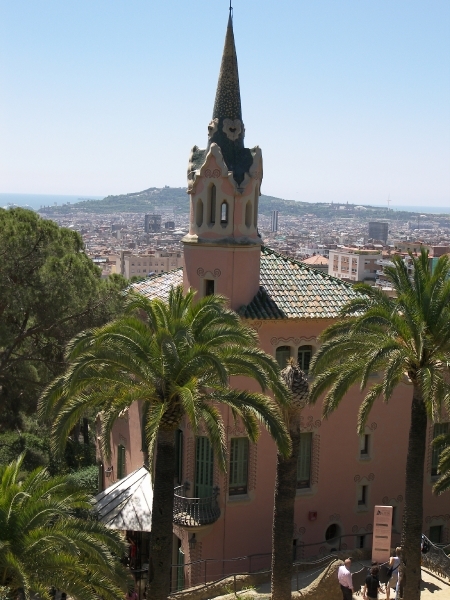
[341, 476]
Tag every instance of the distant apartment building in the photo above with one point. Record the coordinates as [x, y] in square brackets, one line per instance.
[314, 249]
[410, 246]
[274, 221]
[152, 223]
[353, 264]
[142, 265]
[378, 230]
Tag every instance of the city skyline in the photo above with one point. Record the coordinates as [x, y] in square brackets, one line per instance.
[348, 101]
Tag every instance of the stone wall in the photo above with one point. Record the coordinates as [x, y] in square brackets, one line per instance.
[225, 586]
[325, 587]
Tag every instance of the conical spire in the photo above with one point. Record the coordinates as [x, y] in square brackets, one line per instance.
[226, 128]
[228, 97]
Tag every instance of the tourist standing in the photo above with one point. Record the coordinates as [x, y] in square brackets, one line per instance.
[372, 585]
[345, 579]
[394, 563]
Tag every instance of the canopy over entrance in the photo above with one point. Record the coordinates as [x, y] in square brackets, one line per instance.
[127, 504]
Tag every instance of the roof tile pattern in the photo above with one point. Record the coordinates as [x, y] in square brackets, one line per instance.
[292, 290]
[228, 95]
[159, 286]
[289, 290]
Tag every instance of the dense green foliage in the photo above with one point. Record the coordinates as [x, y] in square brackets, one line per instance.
[43, 544]
[443, 483]
[177, 358]
[49, 291]
[402, 340]
[35, 449]
[85, 478]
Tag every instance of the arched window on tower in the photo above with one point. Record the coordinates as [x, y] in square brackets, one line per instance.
[248, 214]
[224, 213]
[255, 208]
[212, 204]
[199, 213]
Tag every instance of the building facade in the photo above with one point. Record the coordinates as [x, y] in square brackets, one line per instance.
[378, 230]
[341, 476]
[353, 264]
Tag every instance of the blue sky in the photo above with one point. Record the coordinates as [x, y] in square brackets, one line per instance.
[348, 99]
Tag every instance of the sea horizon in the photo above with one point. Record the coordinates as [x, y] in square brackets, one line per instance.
[36, 201]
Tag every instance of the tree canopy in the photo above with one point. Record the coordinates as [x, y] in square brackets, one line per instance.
[49, 291]
[44, 544]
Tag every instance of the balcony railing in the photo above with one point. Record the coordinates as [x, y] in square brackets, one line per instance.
[194, 512]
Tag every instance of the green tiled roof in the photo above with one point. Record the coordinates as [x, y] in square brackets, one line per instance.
[288, 290]
[291, 290]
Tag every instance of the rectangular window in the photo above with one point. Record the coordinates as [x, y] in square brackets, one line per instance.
[435, 534]
[209, 287]
[362, 498]
[365, 445]
[360, 541]
[304, 357]
[120, 461]
[304, 461]
[204, 468]
[238, 466]
[438, 429]
[394, 517]
[179, 456]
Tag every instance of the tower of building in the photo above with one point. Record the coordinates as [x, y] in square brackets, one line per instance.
[274, 221]
[222, 248]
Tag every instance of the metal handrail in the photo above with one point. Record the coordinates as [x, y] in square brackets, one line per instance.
[211, 570]
[324, 562]
[193, 512]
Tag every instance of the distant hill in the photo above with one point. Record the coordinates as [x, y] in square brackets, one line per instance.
[154, 199]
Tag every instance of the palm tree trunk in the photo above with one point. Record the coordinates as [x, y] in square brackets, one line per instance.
[283, 520]
[162, 518]
[413, 514]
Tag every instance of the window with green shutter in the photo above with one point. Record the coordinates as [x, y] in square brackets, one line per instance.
[438, 429]
[435, 534]
[120, 461]
[238, 466]
[304, 461]
[204, 468]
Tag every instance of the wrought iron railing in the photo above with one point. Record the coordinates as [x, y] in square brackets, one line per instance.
[194, 512]
[436, 559]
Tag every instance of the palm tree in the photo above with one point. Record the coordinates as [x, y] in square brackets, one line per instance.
[405, 339]
[177, 358]
[443, 483]
[286, 486]
[43, 544]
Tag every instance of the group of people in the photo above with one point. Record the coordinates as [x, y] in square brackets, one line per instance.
[372, 584]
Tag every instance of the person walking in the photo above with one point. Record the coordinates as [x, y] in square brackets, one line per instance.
[345, 579]
[394, 563]
[372, 584]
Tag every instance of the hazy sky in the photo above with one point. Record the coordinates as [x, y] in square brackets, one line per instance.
[348, 99]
